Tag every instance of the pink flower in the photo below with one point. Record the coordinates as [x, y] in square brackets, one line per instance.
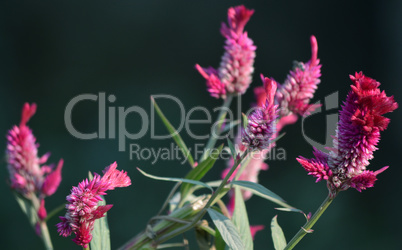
[27, 176]
[299, 87]
[52, 181]
[82, 207]
[42, 213]
[261, 122]
[357, 136]
[234, 73]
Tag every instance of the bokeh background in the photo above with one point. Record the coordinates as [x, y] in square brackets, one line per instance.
[52, 51]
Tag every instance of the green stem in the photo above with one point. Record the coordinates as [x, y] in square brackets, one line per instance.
[208, 229]
[217, 129]
[310, 223]
[171, 194]
[43, 226]
[169, 245]
[187, 227]
[54, 212]
[45, 235]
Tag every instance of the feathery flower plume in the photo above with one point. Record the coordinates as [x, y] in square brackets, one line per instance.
[236, 67]
[356, 138]
[27, 176]
[82, 207]
[260, 130]
[299, 87]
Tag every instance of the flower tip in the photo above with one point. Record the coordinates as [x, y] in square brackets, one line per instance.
[255, 229]
[270, 89]
[238, 17]
[42, 210]
[27, 112]
[381, 170]
[314, 49]
[201, 71]
[53, 180]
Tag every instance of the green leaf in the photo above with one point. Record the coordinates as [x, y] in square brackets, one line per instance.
[261, 191]
[219, 242]
[227, 230]
[101, 233]
[288, 209]
[175, 135]
[277, 235]
[175, 179]
[229, 126]
[245, 120]
[232, 148]
[28, 208]
[240, 220]
[198, 172]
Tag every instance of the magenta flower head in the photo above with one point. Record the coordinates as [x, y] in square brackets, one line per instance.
[82, 207]
[356, 138]
[27, 176]
[260, 130]
[299, 87]
[234, 73]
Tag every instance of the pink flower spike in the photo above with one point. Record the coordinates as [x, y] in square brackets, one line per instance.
[234, 74]
[24, 166]
[357, 135]
[82, 207]
[299, 87]
[261, 123]
[52, 181]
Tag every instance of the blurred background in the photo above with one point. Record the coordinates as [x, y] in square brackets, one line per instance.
[53, 51]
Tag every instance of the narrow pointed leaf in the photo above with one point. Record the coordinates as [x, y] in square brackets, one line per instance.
[277, 235]
[232, 148]
[198, 172]
[240, 220]
[227, 230]
[101, 233]
[278, 137]
[288, 209]
[245, 120]
[261, 191]
[28, 208]
[175, 135]
[174, 179]
[228, 126]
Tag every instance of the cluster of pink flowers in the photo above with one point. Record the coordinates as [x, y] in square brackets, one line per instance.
[356, 138]
[82, 207]
[291, 99]
[234, 74]
[276, 106]
[29, 176]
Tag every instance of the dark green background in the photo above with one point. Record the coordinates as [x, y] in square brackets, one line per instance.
[52, 51]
